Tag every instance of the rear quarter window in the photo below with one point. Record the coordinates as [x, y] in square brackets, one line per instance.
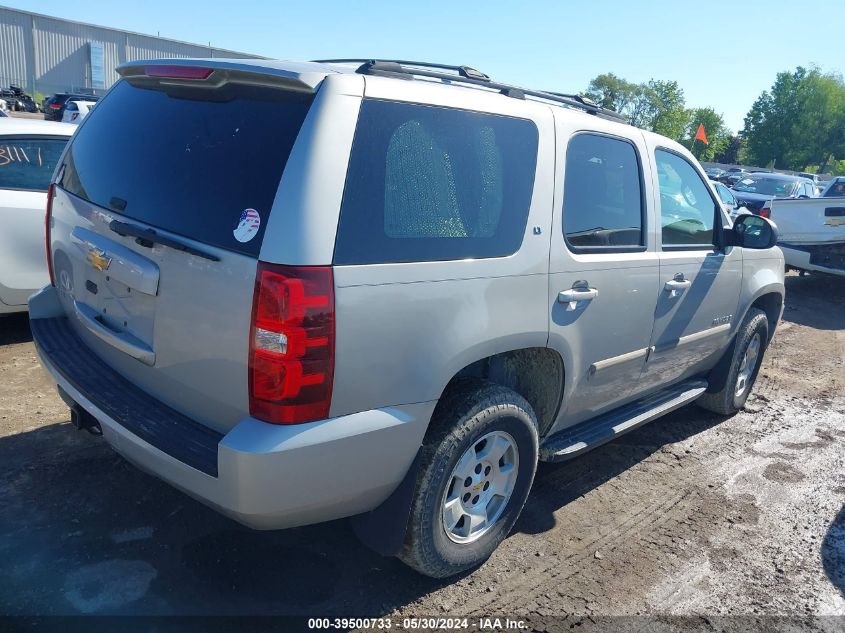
[27, 163]
[429, 183]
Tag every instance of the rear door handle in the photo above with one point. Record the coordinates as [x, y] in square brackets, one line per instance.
[576, 294]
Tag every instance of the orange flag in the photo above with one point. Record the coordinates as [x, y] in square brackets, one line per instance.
[700, 135]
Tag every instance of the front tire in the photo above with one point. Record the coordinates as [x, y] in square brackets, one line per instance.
[745, 357]
[477, 464]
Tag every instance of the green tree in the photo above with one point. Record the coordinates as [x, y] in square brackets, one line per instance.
[669, 113]
[799, 122]
[657, 105]
[730, 154]
[718, 135]
[612, 92]
[641, 110]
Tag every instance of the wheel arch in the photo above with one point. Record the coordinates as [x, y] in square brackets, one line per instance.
[772, 304]
[535, 373]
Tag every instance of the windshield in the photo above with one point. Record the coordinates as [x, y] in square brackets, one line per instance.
[767, 186]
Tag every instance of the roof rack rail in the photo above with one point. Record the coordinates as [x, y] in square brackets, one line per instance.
[468, 75]
[463, 71]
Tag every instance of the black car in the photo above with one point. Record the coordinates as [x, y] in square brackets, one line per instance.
[714, 173]
[10, 98]
[17, 100]
[756, 189]
[54, 107]
[730, 178]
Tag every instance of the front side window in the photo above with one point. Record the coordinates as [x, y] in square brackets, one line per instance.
[687, 209]
[28, 163]
[602, 194]
[429, 183]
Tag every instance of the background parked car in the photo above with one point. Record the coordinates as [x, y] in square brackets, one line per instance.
[732, 177]
[729, 201]
[835, 188]
[76, 110]
[54, 107]
[812, 234]
[23, 101]
[713, 173]
[29, 151]
[754, 190]
[10, 98]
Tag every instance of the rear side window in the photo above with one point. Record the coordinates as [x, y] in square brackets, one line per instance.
[602, 195]
[28, 163]
[432, 183]
[205, 165]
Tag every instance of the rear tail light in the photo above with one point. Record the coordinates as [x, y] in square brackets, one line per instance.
[765, 211]
[48, 220]
[178, 72]
[291, 344]
[55, 106]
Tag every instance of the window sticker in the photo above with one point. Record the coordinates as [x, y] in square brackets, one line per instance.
[248, 225]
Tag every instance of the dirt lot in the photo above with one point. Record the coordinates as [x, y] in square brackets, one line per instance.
[692, 514]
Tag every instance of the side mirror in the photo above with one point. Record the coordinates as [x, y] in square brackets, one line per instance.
[753, 231]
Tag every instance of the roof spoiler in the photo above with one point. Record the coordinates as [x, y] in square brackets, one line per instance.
[211, 74]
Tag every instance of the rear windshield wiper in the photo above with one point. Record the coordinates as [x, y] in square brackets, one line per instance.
[148, 237]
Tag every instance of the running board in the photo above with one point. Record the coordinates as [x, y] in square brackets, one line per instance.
[585, 436]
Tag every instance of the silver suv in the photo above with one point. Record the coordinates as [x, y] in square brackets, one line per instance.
[305, 291]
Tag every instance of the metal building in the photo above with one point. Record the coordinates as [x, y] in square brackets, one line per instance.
[43, 54]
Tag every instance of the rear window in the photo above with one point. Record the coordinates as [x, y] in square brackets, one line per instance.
[429, 183]
[28, 163]
[206, 169]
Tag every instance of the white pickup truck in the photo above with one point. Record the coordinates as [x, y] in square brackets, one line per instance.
[812, 233]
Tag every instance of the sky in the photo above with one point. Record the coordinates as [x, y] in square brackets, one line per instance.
[723, 54]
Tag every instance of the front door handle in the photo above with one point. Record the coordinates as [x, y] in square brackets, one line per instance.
[677, 285]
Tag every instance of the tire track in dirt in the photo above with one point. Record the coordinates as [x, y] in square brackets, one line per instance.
[521, 587]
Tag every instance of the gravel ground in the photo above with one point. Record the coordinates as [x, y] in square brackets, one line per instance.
[692, 515]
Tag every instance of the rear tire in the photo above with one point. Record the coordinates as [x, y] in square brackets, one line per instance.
[738, 370]
[477, 464]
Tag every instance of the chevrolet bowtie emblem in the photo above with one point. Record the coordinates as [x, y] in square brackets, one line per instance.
[98, 259]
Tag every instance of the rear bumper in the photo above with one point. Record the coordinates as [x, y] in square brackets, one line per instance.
[826, 258]
[264, 475]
